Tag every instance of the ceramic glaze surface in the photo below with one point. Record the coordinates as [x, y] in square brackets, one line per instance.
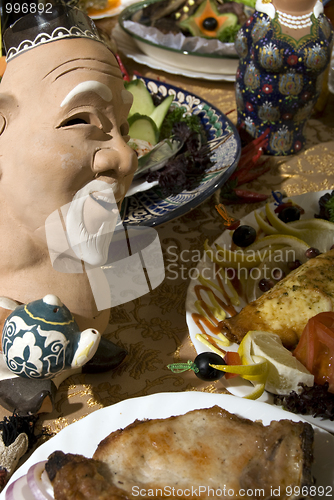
[40, 339]
[279, 78]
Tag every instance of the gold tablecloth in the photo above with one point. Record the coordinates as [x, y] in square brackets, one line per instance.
[153, 328]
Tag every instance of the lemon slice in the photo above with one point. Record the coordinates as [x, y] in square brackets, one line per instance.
[276, 241]
[246, 371]
[245, 349]
[253, 368]
[257, 392]
[316, 233]
[264, 225]
[285, 372]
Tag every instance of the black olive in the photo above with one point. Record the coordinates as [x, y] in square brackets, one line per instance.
[312, 252]
[210, 23]
[244, 236]
[265, 285]
[206, 372]
[289, 214]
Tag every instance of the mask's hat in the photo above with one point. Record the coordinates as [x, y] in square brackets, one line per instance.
[33, 30]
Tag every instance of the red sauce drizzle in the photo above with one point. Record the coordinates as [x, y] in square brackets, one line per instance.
[211, 322]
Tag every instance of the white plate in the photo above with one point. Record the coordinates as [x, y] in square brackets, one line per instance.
[129, 48]
[83, 436]
[238, 386]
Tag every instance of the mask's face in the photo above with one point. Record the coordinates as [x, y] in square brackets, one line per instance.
[66, 126]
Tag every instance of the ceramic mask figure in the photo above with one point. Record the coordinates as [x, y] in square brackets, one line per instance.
[284, 49]
[63, 134]
[65, 159]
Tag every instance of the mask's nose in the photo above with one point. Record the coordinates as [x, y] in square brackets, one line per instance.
[118, 161]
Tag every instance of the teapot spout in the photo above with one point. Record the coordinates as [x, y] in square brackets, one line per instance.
[87, 346]
[8, 304]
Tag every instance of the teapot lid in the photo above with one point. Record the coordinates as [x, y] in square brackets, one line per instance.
[49, 310]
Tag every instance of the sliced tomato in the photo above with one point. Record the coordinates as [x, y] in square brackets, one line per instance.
[315, 349]
[232, 358]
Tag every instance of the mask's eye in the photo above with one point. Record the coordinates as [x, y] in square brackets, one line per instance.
[81, 119]
[74, 121]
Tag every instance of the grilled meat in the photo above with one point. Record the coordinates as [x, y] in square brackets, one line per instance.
[201, 452]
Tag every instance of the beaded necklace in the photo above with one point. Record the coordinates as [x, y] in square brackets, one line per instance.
[295, 22]
[288, 20]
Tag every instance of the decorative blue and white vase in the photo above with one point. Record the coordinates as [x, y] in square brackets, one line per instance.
[41, 339]
[279, 77]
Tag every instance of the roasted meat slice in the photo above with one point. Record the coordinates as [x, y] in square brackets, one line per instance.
[203, 454]
[287, 307]
[75, 477]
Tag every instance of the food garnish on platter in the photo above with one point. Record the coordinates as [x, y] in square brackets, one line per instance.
[171, 144]
[272, 281]
[189, 451]
[197, 27]
[202, 18]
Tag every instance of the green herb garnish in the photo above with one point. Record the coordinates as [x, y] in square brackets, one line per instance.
[177, 115]
[229, 34]
[330, 208]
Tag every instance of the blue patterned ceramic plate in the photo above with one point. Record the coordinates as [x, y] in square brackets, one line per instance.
[150, 208]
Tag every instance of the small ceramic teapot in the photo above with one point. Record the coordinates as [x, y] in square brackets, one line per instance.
[42, 338]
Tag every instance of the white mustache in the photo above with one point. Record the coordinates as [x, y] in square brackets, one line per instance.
[92, 248]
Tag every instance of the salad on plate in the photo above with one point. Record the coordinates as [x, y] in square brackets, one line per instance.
[159, 131]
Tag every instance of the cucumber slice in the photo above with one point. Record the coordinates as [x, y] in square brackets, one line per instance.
[159, 113]
[142, 99]
[144, 128]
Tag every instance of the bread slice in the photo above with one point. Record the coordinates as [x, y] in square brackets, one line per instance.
[206, 453]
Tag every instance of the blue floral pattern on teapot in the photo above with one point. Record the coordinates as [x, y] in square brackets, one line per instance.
[42, 338]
